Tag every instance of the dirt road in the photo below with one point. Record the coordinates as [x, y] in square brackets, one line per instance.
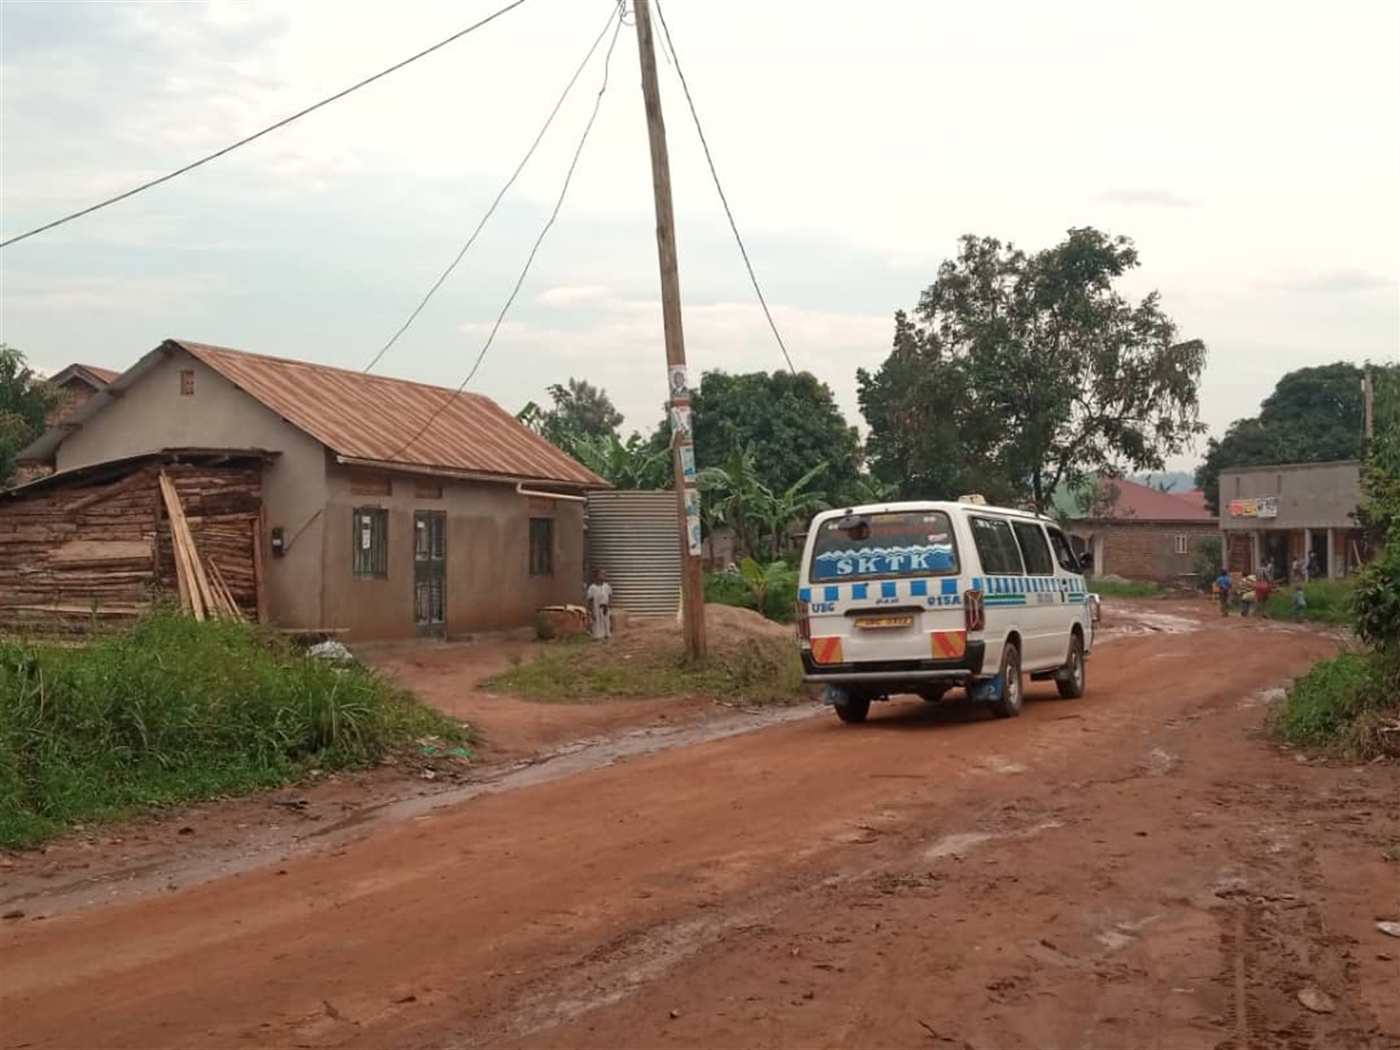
[1136, 868]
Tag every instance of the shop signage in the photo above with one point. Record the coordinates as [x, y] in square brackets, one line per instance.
[1263, 507]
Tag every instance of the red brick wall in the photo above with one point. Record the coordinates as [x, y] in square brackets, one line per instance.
[1148, 550]
[71, 397]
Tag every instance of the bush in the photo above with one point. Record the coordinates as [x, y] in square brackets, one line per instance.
[1376, 601]
[767, 589]
[728, 588]
[1347, 703]
[176, 710]
[1329, 601]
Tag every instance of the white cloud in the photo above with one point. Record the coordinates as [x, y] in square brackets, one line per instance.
[574, 295]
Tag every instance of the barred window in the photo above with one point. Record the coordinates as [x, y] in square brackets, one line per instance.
[370, 543]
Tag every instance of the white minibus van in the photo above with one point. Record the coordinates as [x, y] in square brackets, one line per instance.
[922, 597]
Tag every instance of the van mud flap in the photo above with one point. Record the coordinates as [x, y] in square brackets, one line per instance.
[987, 690]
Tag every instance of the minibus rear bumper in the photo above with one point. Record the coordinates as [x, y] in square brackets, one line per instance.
[952, 672]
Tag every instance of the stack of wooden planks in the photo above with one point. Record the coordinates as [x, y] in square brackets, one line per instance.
[202, 590]
[92, 553]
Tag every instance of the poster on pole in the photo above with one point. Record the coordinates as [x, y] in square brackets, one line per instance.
[688, 461]
[692, 521]
[678, 380]
[680, 422]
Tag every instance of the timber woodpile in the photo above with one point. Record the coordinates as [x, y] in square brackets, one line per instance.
[95, 551]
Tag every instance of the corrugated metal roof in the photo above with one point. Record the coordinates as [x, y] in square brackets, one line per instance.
[370, 417]
[1145, 503]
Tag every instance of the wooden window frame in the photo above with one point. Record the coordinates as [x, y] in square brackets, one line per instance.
[370, 563]
[541, 555]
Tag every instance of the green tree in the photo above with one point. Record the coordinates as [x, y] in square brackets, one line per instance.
[25, 403]
[1312, 416]
[581, 410]
[789, 423]
[631, 464]
[736, 497]
[1023, 371]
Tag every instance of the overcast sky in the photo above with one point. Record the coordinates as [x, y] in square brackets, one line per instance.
[1252, 152]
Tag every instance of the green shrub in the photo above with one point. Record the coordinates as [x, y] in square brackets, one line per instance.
[768, 589]
[1376, 601]
[1329, 601]
[175, 710]
[1346, 703]
[728, 588]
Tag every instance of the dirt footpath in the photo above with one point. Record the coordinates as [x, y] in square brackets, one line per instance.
[1137, 868]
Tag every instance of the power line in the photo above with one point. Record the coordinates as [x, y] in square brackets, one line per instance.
[534, 250]
[753, 278]
[267, 130]
[495, 203]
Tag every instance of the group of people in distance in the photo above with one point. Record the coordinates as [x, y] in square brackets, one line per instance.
[1252, 592]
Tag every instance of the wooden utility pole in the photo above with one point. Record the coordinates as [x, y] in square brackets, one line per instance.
[677, 377]
[1368, 397]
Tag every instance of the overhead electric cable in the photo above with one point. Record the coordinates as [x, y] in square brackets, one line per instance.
[534, 250]
[714, 174]
[495, 203]
[267, 130]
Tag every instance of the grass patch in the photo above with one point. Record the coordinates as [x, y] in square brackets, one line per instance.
[1329, 601]
[173, 711]
[1124, 588]
[1345, 704]
[751, 661]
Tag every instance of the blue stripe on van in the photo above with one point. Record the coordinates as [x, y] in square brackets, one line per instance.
[860, 592]
[804, 594]
[950, 586]
[831, 594]
[918, 588]
[889, 589]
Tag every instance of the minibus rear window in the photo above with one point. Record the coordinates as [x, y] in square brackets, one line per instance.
[884, 546]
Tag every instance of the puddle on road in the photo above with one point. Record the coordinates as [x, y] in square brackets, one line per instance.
[1137, 624]
[962, 843]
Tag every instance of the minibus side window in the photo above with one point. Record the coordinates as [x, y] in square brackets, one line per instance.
[1063, 554]
[1034, 549]
[996, 547]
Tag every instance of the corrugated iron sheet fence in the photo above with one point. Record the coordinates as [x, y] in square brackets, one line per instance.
[633, 538]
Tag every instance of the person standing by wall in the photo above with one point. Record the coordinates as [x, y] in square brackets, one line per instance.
[599, 596]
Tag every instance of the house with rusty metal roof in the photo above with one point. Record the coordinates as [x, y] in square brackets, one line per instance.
[388, 507]
[1139, 532]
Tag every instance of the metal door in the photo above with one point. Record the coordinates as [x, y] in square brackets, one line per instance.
[430, 571]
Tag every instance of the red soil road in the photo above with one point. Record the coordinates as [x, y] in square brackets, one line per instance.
[1135, 868]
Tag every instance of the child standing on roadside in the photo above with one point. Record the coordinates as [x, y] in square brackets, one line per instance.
[1222, 585]
[1300, 602]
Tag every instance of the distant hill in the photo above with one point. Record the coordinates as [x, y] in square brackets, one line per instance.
[1169, 480]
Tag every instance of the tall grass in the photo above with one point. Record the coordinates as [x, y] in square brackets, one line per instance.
[1350, 703]
[175, 710]
[1329, 601]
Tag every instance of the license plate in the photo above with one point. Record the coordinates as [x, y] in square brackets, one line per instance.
[881, 622]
